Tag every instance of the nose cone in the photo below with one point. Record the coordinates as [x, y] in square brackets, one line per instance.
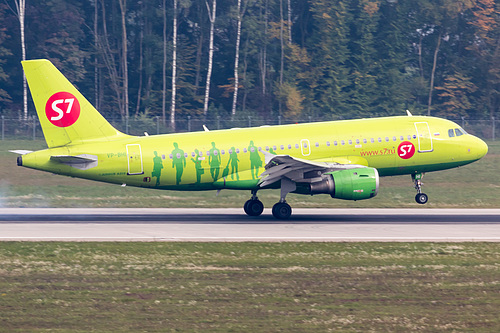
[479, 148]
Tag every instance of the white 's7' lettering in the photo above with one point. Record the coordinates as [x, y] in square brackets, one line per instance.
[404, 151]
[60, 113]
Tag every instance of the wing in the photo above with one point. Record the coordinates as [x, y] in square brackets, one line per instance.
[299, 170]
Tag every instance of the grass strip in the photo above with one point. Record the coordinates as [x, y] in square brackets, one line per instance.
[235, 287]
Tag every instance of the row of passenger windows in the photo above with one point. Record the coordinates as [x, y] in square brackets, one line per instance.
[297, 146]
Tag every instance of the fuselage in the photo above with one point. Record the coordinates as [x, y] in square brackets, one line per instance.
[234, 158]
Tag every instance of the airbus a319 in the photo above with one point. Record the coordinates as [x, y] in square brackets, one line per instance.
[343, 159]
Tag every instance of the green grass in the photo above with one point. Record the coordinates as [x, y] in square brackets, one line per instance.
[475, 185]
[243, 287]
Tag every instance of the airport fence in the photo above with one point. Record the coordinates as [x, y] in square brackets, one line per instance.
[23, 129]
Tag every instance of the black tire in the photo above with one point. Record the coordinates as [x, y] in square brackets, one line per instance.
[421, 198]
[253, 207]
[282, 211]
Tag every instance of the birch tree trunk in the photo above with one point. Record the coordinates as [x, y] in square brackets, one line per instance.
[431, 88]
[290, 22]
[236, 61]
[211, 16]
[164, 68]
[123, 11]
[21, 10]
[96, 63]
[174, 70]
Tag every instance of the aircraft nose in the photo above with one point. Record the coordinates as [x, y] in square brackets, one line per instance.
[480, 148]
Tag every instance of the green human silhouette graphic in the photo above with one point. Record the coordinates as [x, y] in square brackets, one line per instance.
[255, 160]
[233, 160]
[178, 162]
[157, 166]
[214, 161]
[197, 165]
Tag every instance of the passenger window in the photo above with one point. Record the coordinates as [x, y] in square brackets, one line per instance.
[244, 150]
[379, 139]
[282, 147]
[201, 154]
[252, 149]
[365, 141]
[289, 146]
[267, 148]
[328, 143]
[451, 134]
[222, 152]
[296, 146]
[171, 156]
[402, 138]
[342, 142]
[186, 155]
[193, 154]
[409, 137]
[335, 143]
[372, 140]
[274, 148]
[317, 144]
[357, 141]
[387, 139]
[237, 150]
[350, 142]
[394, 138]
[230, 151]
[414, 136]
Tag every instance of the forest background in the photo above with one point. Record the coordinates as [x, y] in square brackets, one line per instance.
[259, 59]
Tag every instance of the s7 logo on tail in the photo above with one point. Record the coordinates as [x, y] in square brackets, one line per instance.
[62, 109]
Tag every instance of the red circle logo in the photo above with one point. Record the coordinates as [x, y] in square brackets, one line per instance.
[62, 109]
[406, 150]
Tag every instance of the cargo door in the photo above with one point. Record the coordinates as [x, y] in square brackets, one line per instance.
[134, 157]
[424, 137]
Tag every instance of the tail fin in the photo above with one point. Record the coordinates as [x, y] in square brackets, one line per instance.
[65, 115]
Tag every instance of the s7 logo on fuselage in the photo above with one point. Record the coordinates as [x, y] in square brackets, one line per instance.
[406, 150]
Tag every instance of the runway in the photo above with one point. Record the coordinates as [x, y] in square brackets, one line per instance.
[226, 225]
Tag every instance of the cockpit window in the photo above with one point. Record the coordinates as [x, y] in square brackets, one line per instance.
[451, 134]
[459, 132]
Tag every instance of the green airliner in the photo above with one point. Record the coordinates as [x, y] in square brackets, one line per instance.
[341, 158]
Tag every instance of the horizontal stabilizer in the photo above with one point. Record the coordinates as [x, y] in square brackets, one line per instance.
[21, 151]
[82, 162]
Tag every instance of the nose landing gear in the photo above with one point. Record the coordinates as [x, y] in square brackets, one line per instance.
[420, 198]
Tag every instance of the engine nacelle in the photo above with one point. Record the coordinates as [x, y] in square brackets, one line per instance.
[350, 184]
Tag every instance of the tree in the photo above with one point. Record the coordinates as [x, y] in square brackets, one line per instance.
[211, 15]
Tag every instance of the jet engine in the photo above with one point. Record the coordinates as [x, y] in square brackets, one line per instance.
[350, 184]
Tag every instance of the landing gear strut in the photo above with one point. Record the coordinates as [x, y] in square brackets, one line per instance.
[282, 210]
[253, 207]
[420, 198]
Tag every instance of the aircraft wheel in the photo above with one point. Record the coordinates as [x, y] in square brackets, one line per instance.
[282, 211]
[421, 198]
[253, 207]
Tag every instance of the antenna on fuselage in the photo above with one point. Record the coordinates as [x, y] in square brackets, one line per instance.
[205, 128]
[409, 113]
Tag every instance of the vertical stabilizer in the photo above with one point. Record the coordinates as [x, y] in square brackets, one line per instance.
[65, 115]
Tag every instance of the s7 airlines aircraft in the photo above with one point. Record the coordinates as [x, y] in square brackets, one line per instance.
[341, 158]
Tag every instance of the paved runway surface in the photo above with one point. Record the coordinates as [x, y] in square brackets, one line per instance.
[66, 224]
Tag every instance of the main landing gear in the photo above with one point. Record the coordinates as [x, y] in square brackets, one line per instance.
[281, 210]
[253, 207]
[420, 198]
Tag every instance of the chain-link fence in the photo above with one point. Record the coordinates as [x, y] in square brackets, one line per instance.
[20, 129]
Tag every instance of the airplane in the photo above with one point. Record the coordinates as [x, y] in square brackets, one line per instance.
[341, 158]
